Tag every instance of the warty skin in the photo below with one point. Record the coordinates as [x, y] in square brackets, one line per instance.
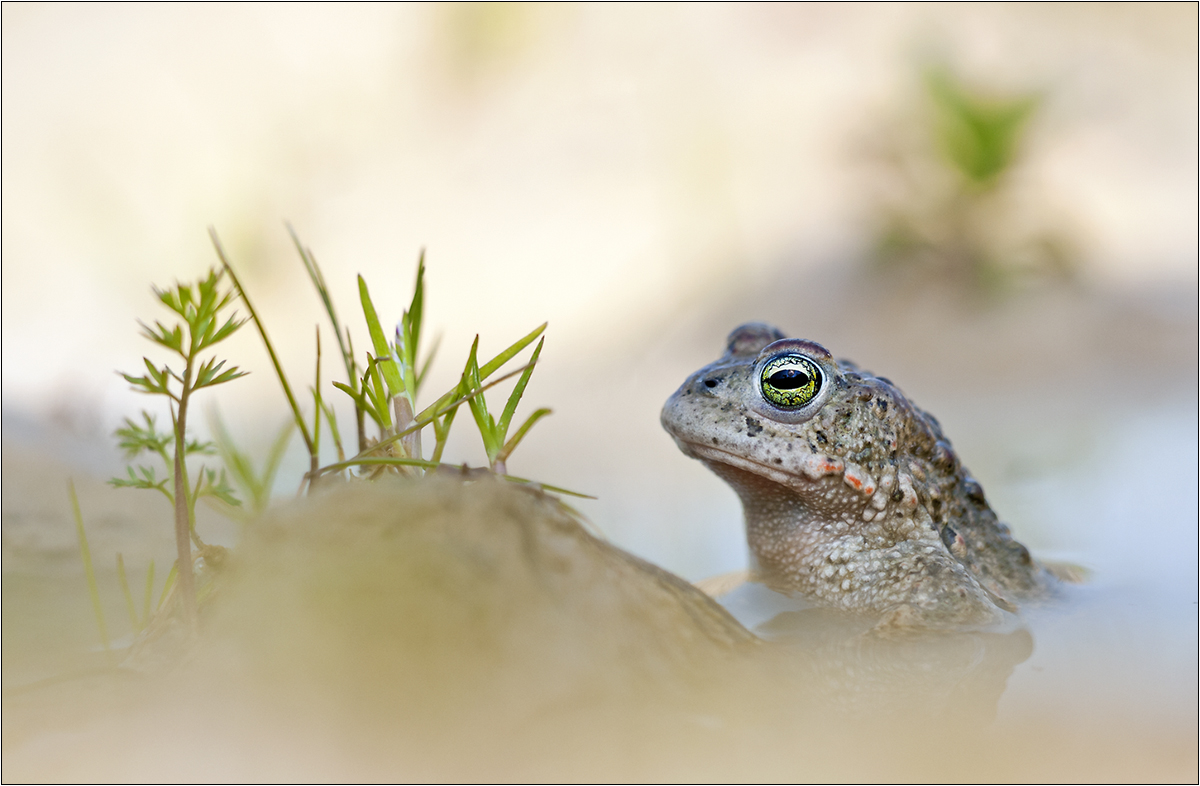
[853, 497]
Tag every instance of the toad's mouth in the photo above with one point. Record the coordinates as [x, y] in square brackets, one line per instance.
[807, 471]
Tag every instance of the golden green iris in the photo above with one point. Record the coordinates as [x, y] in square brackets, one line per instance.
[790, 381]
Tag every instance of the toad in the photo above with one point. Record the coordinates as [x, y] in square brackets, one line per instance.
[853, 497]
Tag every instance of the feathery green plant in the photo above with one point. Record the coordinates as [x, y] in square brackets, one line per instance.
[199, 309]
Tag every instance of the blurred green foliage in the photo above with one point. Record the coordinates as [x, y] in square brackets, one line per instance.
[954, 212]
[979, 134]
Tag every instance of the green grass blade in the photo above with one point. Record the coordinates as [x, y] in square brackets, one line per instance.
[238, 463]
[318, 280]
[511, 445]
[262, 331]
[487, 369]
[408, 334]
[383, 352]
[86, 553]
[373, 387]
[317, 400]
[355, 396]
[442, 406]
[274, 457]
[415, 312]
[124, 580]
[546, 486]
[484, 421]
[149, 595]
[408, 365]
[510, 408]
[442, 433]
[345, 344]
[380, 461]
[331, 419]
[351, 363]
[428, 415]
[169, 584]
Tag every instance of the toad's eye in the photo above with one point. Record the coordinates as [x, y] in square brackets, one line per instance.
[790, 381]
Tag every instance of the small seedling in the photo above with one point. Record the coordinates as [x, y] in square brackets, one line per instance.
[199, 328]
[440, 415]
[385, 388]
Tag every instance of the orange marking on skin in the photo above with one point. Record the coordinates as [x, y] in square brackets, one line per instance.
[817, 466]
[858, 479]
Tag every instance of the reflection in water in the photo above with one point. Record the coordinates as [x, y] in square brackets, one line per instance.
[854, 668]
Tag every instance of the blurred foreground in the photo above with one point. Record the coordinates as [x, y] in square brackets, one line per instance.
[459, 632]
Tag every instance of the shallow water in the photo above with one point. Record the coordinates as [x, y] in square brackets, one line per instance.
[1128, 637]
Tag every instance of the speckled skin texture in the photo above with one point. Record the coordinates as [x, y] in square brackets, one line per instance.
[857, 500]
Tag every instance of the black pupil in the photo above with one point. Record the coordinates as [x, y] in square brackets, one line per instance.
[789, 379]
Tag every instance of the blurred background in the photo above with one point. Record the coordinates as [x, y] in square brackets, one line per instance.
[993, 205]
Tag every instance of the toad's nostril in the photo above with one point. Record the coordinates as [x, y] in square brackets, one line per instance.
[711, 383]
